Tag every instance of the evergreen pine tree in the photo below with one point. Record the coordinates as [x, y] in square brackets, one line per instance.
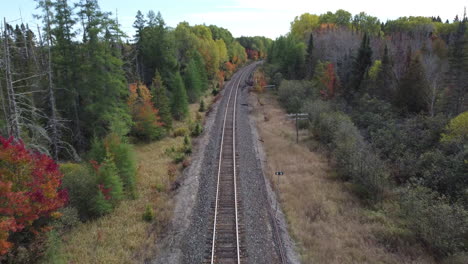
[193, 82]
[457, 78]
[179, 98]
[103, 89]
[360, 66]
[413, 89]
[309, 57]
[66, 69]
[139, 25]
[157, 51]
[110, 188]
[161, 101]
[385, 81]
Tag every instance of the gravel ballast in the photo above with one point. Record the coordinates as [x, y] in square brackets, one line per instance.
[187, 240]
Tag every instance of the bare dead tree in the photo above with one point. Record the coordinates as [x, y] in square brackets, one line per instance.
[14, 113]
[53, 119]
[434, 68]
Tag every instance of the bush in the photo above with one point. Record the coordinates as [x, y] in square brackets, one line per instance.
[441, 225]
[52, 254]
[187, 147]
[355, 161]
[99, 205]
[148, 215]
[178, 157]
[109, 188]
[80, 181]
[292, 94]
[202, 106]
[30, 190]
[146, 122]
[109, 182]
[180, 132]
[69, 219]
[457, 129]
[197, 129]
[123, 156]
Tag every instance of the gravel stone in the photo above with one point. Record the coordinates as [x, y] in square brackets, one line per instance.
[188, 238]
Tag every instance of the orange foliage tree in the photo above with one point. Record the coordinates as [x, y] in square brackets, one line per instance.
[220, 77]
[30, 189]
[330, 81]
[259, 81]
[229, 68]
[147, 125]
[252, 54]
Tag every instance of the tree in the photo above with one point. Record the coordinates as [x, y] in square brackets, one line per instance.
[161, 101]
[457, 78]
[367, 24]
[146, 120]
[289, 54]
[104, 89]
[157, 51]
[303, 26]
[342, 17]
[193, 82]
[53, 122]
[309, 58]
[435, 65]
[110, 188]
[457, 129]
[360, 66]
[66, 69]
[325, 81]
[413, 89]
[139, 25]
[385, 78]
[179, 103]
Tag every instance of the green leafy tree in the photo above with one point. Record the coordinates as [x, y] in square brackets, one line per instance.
[366, 23]
[302, 26]
[457, 129]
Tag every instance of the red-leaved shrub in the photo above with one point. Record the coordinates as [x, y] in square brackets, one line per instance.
[29, 189]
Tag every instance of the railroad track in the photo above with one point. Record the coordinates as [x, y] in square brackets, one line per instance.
[225, 245]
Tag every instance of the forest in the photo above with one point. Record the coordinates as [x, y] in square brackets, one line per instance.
[76, 93]
[389, 101]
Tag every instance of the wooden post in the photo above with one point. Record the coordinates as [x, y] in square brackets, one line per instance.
[297, 130]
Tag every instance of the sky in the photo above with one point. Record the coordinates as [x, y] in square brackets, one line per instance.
[270, 18]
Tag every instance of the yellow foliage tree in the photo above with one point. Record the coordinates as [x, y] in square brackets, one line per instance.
[457, 129]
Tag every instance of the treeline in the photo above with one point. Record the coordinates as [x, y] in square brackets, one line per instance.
[389, 100]
[80, 90]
